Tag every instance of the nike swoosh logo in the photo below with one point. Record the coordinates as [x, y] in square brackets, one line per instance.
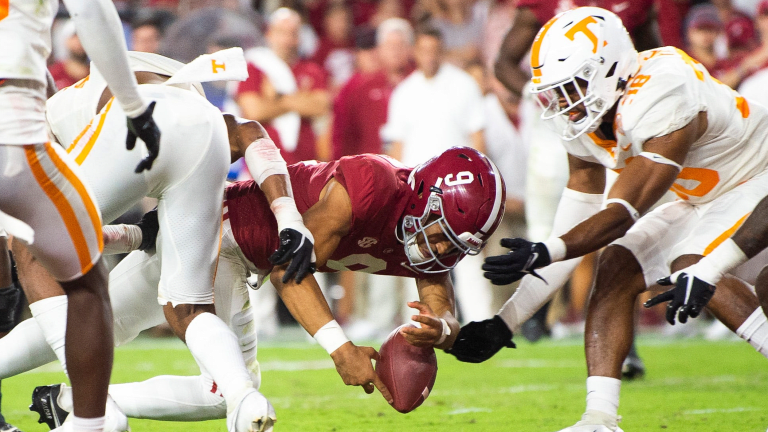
[531, 260]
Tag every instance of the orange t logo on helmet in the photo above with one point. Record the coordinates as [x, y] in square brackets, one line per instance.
[581, 27]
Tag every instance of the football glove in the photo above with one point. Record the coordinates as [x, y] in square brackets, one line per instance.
[688, 297]
[298, 248]
[149, 227]
[144, 127]
[480, 340]
[523, 259]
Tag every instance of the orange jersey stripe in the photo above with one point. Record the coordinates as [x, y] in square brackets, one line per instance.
[93, 214]
[63, 207]
[725, 235]
[92, 140]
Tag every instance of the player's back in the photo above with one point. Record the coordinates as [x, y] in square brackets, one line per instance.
[25, 38]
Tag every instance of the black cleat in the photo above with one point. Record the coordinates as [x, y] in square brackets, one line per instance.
[5, 427]
[633, 368]
[44, 402]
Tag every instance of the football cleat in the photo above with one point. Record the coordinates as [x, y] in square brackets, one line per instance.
[45, 402]
[595, 421]
[633, 368]
[5, 427]
[254, 413]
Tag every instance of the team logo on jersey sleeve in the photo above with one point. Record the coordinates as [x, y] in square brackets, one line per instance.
[367, 242]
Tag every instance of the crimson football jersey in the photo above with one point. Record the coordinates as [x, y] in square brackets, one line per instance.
[378, 192]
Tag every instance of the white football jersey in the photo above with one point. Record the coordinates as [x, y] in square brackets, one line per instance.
[25, 37]
[667, 92]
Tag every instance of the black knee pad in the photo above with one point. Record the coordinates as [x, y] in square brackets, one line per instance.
[10, 307]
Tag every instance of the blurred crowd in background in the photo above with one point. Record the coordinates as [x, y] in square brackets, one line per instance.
[411, 78]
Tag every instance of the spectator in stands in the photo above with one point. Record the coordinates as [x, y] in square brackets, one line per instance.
[461, 23]
[74, 64]
[146, 35]
[335, 51]
[366, 57]
[284, 92]
[702, 29]
[436, 107]
[754, 87]
[360, 109]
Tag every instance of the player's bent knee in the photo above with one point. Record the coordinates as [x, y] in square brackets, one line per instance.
[618, 271]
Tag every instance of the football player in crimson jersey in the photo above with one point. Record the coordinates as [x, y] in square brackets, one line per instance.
[659, 119]
[366, 213]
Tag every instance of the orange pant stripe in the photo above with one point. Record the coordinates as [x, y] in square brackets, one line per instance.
[90, 207]
[725, 235]
[64, 208]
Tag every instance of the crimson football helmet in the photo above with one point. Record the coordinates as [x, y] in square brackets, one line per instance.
[462, 192]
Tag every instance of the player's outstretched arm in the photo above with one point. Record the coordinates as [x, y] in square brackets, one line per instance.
[640, 185]
[329, 220]
[249, 139]
[101, 34]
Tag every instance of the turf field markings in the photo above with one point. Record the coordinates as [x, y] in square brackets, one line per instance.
[539, 363]
[469, 410]
[296, 365]
[721, 411]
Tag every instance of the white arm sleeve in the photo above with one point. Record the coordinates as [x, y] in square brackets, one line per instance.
[101, 34]
[533, 293]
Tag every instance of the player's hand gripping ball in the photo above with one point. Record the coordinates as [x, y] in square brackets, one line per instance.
[409, 372]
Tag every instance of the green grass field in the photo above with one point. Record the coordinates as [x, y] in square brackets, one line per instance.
[691, 385]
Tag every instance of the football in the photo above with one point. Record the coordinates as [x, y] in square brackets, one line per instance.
[408, 371]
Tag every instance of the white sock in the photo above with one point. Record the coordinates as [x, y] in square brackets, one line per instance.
[24, 349]
[216, 349]
[87, 424]
[171, 398]
[755, 331]
[603, 394]
[51, 315]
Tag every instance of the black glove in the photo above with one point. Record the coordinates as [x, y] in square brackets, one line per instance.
[149, 228]
[297, 248]
[523, 258]
[480, 340]
[689, 296]
[144, 127]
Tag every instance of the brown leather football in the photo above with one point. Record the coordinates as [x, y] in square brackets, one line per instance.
[408, 371]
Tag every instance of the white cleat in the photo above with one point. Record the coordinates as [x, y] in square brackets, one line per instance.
[595, 421]
[116, 420]
[254, 413]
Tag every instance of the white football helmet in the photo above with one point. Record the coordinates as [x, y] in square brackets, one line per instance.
[588, 45]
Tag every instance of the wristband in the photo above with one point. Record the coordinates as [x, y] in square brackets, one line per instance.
[263, 159]
[556, 248]
[446, 332]
[331, 336]
[630, 208]
[287, 214]
[720, 261]
[121, 238]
